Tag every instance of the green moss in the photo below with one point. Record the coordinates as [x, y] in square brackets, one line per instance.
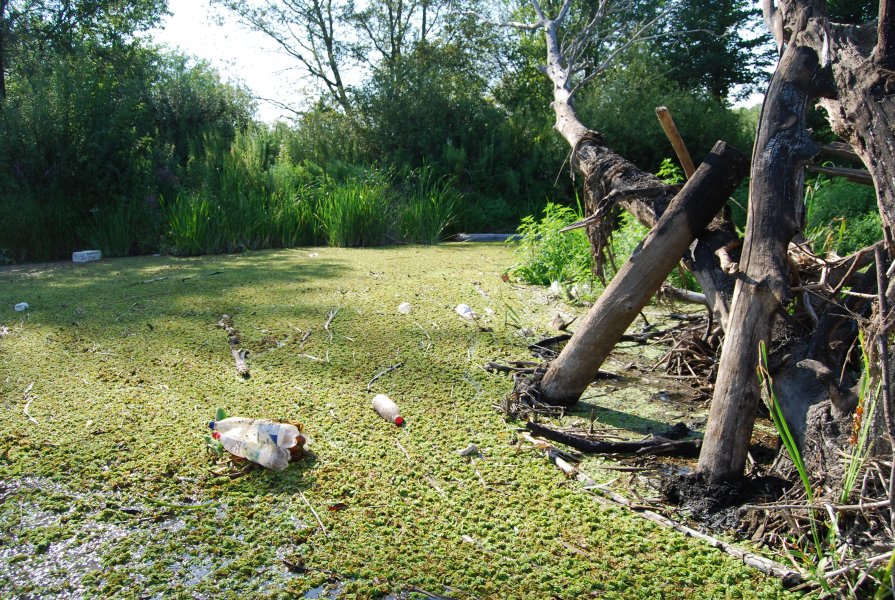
[128, 366]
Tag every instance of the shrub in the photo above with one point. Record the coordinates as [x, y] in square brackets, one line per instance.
[548, 255]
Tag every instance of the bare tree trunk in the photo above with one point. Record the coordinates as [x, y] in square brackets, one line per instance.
[781, 150]
[4, 32]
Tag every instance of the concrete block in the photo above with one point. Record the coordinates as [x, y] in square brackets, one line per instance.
[86, 256]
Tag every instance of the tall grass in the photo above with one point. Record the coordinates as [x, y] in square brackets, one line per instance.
[429, 209]
[355, 213]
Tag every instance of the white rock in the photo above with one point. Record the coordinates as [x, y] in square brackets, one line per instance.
[404, 308]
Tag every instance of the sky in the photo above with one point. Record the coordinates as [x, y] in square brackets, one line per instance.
[244, 56]
[239, 55]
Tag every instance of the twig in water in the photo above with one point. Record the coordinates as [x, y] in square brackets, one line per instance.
[314, 512]
[426, 333]
[382, 373]
[329, 319]
[27, 396]
[404, 450]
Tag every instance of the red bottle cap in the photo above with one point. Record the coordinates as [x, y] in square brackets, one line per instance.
[399, 420]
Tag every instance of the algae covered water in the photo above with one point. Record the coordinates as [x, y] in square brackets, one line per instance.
[108, 487]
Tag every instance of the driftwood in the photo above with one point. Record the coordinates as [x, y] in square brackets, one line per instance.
[239, 354]
[650, 446]
[642, 275]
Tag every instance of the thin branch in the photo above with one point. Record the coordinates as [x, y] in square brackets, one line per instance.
[314, 512]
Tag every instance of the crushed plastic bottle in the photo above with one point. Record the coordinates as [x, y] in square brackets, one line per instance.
[21, 306]
[405, 308]
[387, 409]
[259, 431]
[266, 455]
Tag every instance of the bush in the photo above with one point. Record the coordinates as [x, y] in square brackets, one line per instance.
[548, 255]
[841, 216]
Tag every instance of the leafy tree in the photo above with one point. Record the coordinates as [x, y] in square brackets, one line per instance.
[705, 44]
[42, 26]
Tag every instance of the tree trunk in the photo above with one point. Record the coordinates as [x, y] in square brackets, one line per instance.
[4, 29]
[642, 275]
[781, 149]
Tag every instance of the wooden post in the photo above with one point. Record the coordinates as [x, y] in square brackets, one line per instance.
[642, 275]
[677, 142]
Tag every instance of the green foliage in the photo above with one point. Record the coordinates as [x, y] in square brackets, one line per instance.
[707, 50]
[670, 172]
[861, 442]
[815, 558]
[546, 255]
[621, 105]
[841, 216]
[356, 213]
[428, 208]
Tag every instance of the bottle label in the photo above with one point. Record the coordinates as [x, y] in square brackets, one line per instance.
[268, 431]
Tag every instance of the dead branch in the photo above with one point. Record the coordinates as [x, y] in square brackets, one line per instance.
[854, 175]
[239, 355]
[383, 373]
[660, 444]
[677, 142]
[683, 295]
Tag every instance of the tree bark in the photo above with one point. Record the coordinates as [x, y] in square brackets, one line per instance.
[642, 275]
[4, 33]
[782, 148]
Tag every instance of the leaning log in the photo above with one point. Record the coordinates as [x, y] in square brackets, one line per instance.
[642, 275]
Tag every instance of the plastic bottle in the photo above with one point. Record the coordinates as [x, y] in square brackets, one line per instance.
[258, 431]
[266, 455]
[21, 306]
[387, 409]
[464, 311]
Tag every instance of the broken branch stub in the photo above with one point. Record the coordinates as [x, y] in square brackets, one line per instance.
[642, 275]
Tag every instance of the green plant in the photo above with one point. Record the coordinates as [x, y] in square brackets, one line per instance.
[548, 255]
[861, 443]
[670, 173]
[355, 213]
[430, 208]
[815, 559]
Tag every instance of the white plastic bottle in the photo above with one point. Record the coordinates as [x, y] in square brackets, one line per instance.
[259, 431]
[387, 409]
[266, 455]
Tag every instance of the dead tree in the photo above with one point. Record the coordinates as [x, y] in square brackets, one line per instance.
[834, 63]
[848, 69]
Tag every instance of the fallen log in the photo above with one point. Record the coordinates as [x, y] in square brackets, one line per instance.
[655, 444]
[642, 275]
